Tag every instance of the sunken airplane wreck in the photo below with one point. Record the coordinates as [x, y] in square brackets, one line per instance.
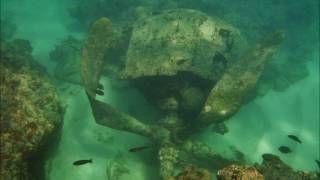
[186, 71]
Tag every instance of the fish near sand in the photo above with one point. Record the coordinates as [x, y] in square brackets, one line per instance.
[137, 149]
[100, 86]
[99, 92]
[284, 149]
[295, 138]
[268, 157]
[82, 162]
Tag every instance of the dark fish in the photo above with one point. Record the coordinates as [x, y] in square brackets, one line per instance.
[137, 149]
[318, 162]
[284, 149]
[295, 138]
[81, 162]
[100, 86]
[99, 92]
[220, 128]
[268, 157]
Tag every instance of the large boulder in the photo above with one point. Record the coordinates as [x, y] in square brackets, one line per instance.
[30, 110]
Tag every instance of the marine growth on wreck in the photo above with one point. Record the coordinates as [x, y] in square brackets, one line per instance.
[159, 89]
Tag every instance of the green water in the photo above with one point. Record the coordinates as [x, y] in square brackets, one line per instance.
[261, 126]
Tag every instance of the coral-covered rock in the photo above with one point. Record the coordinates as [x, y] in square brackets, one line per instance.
[273, 168]
[192, 173]
[168, 158]
[30, 109]
[237, 172]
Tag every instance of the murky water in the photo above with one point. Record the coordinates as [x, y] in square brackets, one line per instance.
[285, 100]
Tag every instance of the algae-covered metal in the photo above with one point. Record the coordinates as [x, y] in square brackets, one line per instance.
[184, 62]
[180, 41]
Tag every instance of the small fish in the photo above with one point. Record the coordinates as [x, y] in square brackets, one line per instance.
[284, 149]
[137, 149]
[268, 157]
[220, 128]
[295, 138]
[318, 163]
[100, 86]
[82, 162]
[99, 92]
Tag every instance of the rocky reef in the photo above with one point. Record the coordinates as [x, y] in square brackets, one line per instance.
[192, 173]
[271, 168]
[239, 172]
[30, 109]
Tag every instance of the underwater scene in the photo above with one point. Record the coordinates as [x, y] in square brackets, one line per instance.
[159, 90]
